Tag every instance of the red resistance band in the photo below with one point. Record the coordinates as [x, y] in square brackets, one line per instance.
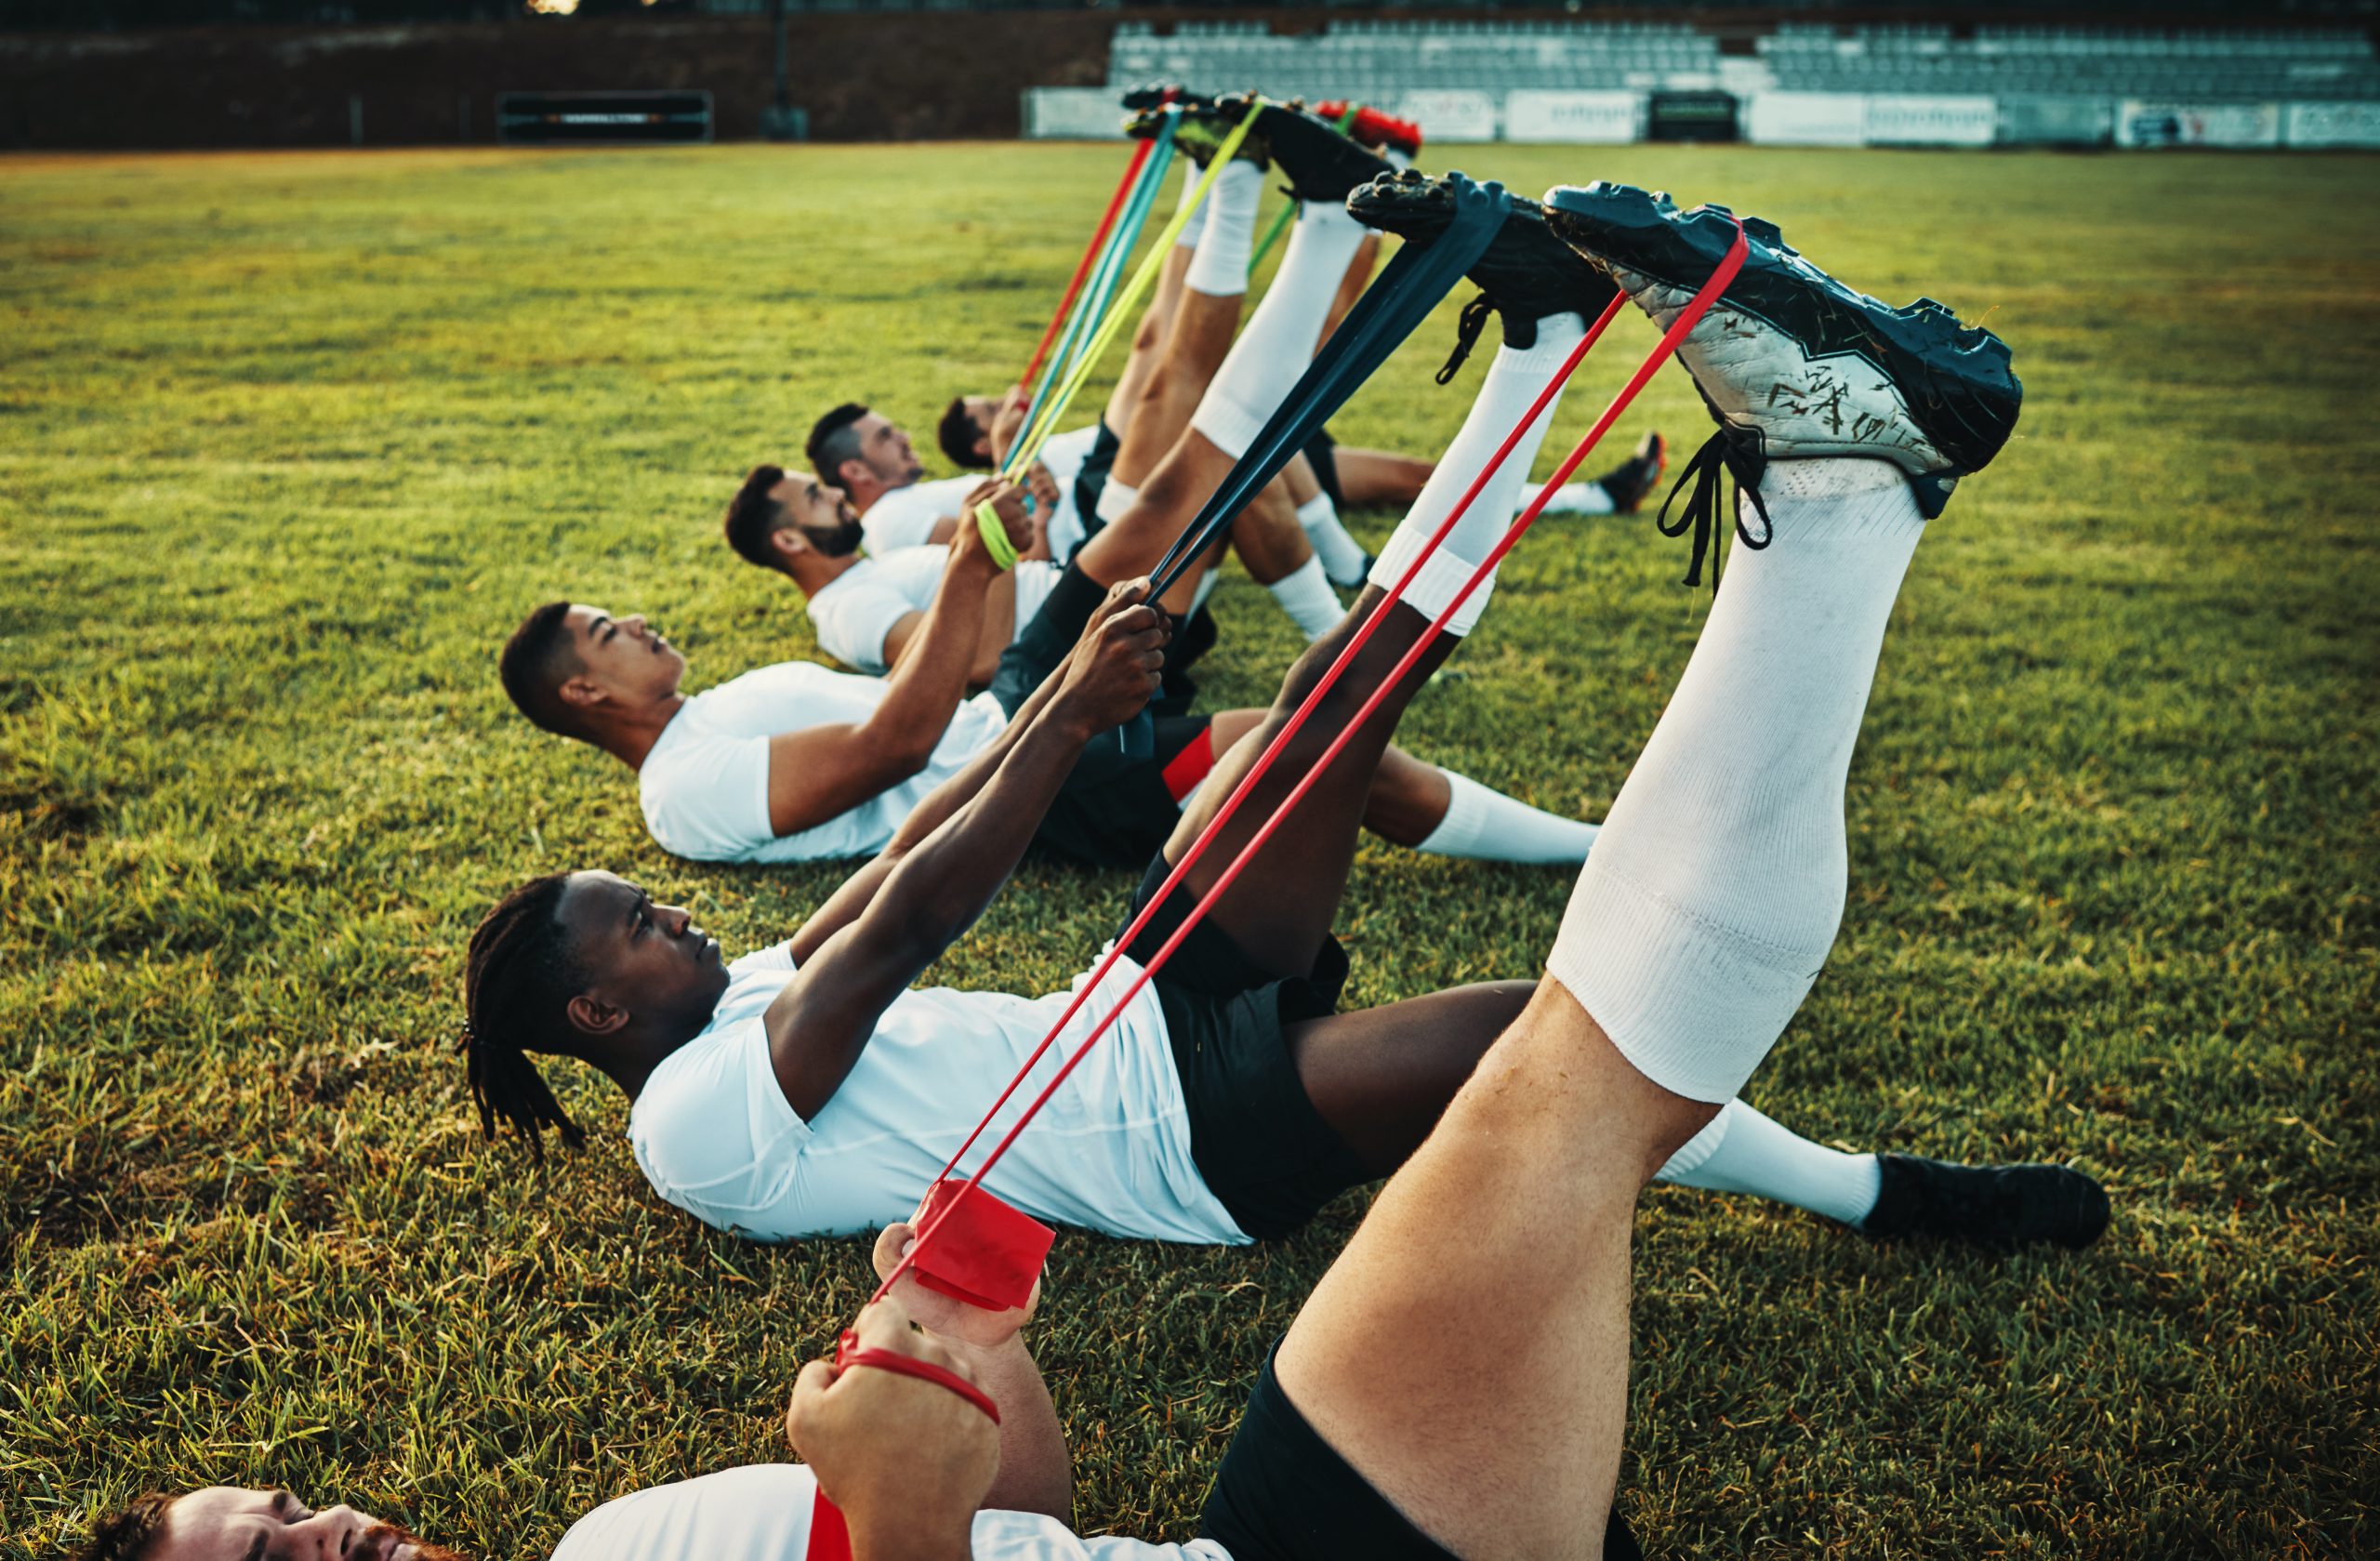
[1082, 268]
[848, 1356]
[1687, 319]
[988, 1255]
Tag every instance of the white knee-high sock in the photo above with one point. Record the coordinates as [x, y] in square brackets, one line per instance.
[1579, 499]
[1189, 201]
[1741, 1151]
[1304, 594]
[1220, 267]
[1114, 499]
[1715, 892]
[1513, 380]
[1342, 556]
[1279, 338]
[1486, 826]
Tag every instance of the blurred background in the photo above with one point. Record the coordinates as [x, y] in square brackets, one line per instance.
[260, 74]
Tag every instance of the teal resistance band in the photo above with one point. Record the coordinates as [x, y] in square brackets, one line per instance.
[1029, 447]
[1091, 305]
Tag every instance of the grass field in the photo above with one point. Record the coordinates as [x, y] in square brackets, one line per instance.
[287, 444]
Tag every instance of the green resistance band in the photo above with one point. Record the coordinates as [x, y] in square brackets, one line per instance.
[1281, 217]
[995, 535]
[1027, 449]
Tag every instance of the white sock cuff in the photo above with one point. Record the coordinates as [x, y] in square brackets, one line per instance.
[1193, 204]
[1304, 594]
[1442, 575]
[1693, 1005]
[1395, 157]
[1317, 511]
[1466, 816]
[1219, 269]
[1228, 425]
[1115, 499]
[1696, 1152]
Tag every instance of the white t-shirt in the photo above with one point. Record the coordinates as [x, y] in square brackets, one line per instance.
[906, 516]
[1111, 1151]
[704, 785]
[1064, 454]
[859, 607]
[762, 1514]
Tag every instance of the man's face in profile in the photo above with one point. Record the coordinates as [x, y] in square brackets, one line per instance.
[226, 1523]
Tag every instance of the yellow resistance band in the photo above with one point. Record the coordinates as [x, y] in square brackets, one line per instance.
[1027, 449]
[996, 542]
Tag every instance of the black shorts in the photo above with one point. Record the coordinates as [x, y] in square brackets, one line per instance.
[1321, 453]
[1091, 479]
[1116, 810]
[1284, 1494]
[1260, 1146]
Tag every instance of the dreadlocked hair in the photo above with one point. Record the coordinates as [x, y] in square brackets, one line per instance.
[518, 980]
[127, 1535]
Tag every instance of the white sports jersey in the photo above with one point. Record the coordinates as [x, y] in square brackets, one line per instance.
[704, 785]
[906, 516]
[1111, 1151]
[859, 607]
[1064, 454]
[763, 1514]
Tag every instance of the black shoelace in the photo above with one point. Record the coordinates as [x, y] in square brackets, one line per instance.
[1717, 458]
[1473, 320]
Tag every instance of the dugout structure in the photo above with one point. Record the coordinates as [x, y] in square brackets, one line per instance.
[565, 118]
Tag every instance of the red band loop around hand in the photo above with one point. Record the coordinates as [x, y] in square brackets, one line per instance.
[848, 1356]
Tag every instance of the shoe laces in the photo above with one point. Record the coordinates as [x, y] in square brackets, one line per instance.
[1719, 458]
[1467, 331]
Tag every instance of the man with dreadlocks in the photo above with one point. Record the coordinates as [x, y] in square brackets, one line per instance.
[806, 1088]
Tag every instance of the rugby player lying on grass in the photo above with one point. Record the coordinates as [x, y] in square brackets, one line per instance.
[806, 1088]
[794, 762]
[1494, 1269]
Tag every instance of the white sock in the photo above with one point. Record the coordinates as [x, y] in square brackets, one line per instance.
[1513, 380]
[1342, 556]
[1395, 157]
[1220, 267]
[1114, 499]
[1304, 594]
[1279, 338]
[1741, 1151]
[1579, 499]
[1486, 826]
[1190, 202]
[1714, 893]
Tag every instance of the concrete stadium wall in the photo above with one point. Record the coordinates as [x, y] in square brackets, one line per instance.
[955, 74]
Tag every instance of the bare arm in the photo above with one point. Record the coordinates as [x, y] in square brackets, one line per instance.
[826, 771]
[999, 627]
[935, 890]
[847, 902]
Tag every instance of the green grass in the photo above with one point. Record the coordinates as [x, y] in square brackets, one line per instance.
[287, 444]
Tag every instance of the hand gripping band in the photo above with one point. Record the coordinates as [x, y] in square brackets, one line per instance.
[1096, 247]
[1039, 426]
[1407, 290]
[1691, 316]
[850, 1357]
[995, 535]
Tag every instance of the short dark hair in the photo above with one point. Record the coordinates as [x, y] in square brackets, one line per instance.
[126, 1535]
[957, 434]
[752, 516]
[518, 976]
[832, 442]
[536, 661]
